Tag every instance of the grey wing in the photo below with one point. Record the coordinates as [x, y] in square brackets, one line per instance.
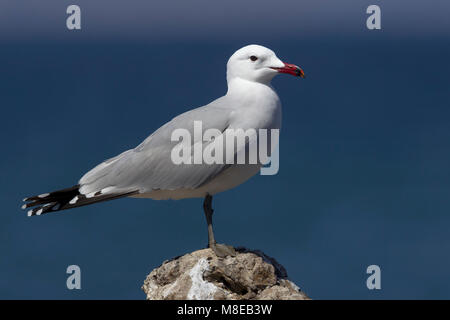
[149, 166]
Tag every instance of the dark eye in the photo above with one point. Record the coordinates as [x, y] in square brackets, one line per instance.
[253, 58]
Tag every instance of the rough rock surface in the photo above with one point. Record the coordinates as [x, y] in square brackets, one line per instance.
[201, 275]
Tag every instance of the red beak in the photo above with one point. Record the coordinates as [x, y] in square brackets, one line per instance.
[291, 69]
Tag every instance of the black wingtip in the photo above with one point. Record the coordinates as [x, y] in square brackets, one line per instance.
[52, 201]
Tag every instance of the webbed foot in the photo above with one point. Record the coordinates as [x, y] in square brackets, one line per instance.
[222, 250]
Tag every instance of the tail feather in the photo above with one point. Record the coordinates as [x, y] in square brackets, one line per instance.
[66, 199]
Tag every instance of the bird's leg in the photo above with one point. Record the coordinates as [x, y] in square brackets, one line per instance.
[207, 207]
[221, 250]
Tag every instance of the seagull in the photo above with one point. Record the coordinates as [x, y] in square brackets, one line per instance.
[148, 171]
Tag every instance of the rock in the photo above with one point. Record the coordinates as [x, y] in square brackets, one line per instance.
[201, 275]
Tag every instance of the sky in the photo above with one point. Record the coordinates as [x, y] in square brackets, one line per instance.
[364, 175]
[203, 19]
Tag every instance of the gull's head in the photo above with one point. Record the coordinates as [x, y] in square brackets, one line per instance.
[258, 64]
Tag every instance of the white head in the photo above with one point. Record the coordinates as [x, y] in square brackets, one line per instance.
[258, 64]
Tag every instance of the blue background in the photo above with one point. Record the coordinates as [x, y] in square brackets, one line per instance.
[364, 173]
